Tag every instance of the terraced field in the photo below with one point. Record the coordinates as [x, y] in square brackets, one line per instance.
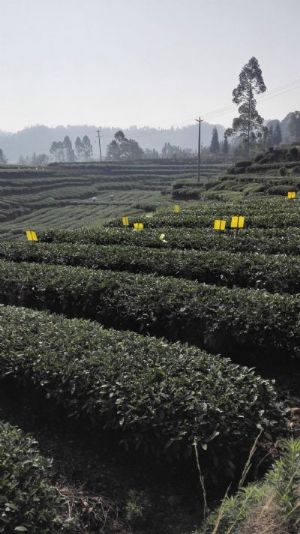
[72, 195]
[159, 345]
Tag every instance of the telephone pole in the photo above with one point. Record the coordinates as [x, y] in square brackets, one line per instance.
[99, 140]
[199, 146]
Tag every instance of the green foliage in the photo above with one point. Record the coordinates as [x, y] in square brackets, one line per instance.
[269, 240]
[282, 171]
[239, 322]
[262, 271]
[214, 145]
[251, 82]
[272, 504]
[28, 501]
[153, 396]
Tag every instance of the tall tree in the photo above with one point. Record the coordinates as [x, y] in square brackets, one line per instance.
[79, 148]
[87, 148]
[225, 145]
[123, 148]
[270, 136]
[70, 155]
[3, 159]
[57, 151]
[249, 122]
[214, 145]
[277, 136]
[294, 126]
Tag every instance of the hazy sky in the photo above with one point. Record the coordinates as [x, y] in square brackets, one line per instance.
[142, 62]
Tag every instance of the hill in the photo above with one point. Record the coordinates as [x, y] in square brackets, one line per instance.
[39, 138]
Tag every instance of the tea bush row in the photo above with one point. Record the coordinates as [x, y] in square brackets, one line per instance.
[149, 394]
[268, 241]
[239, 322]
[274, 273]
[192, 220]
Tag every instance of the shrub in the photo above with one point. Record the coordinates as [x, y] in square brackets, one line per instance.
[271, 240]
[28, 501]
[282, 171]
[274, 273]
[150, 395]
[239, 322]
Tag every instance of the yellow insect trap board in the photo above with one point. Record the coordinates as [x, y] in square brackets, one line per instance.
[31, 235]
[177, 208]
[219, 224]
[125, 221]
[292, 194]
[237, 222]
[138, 226]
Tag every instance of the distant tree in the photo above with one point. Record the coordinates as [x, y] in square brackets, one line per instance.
[225, 146]
[57, 151]
[151, 154]
[87, 148]
[23, 161]
[294, 126]
[79, 149]
[249, 122]
[175, 152]
[3, 159]
[270, 136]
[277, 136]
[122, 148]
[119, 136]
[214, 145]
[113, 151]
[69, 152]
[39, 160]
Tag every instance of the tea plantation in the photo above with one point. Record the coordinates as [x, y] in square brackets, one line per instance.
[158, 366]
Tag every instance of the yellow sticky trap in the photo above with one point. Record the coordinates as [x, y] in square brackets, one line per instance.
[125, 221]
[31, 235]
[138, 226]
[219, 224]
[237, 222]
[292, 194]
[177, 208]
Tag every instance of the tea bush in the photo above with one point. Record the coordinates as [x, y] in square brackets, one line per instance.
[28, 501]
[239, 322]
[273, 273]
[152, 395]
[268, 241]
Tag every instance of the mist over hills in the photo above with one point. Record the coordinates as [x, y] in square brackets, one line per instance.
[39, 138]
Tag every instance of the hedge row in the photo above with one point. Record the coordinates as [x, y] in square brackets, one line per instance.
[273, 273]
[238, 322]
[268, 241]
[148, 394]
[191, 220]
[28, 501]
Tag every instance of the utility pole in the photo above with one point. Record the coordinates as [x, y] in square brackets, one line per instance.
[199, 146]
[99, 140]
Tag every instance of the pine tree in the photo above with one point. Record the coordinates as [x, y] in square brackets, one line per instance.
[214, 145]
[249, 122]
